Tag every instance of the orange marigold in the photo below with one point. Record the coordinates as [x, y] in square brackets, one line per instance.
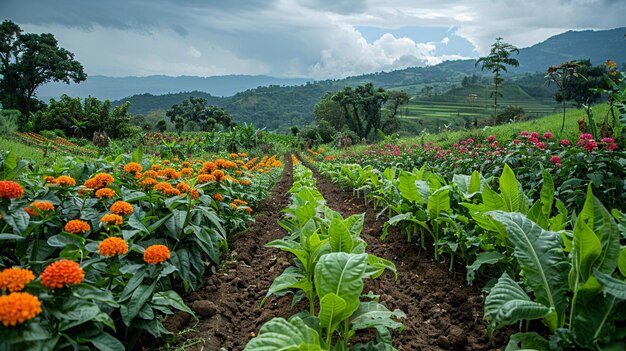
[65, 181]
[121, 207]
[209, 166]
[105, 192]
[183, 187]
[156, 254]
[162, 186]
[100, 180]
[38, 207]
[233, 155]
[217, 197]
[218, 174]
[15, 279]
[186, 171]
[112, 219]
[249, 209]
[245, 182]
[10, 190]
[77, 226]
[48, 179]
[171, 192]
[234, 205]
[18, 307]
[243, 154]
[185, 164]
[166, 162]
[150, 174]
[205, 178]
[133, 167]
[240, 202]
[195, 194]
[62, 273]
[113, 246]
[148, 182]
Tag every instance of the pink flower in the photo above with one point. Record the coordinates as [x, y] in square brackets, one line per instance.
[455, 145]
[556, 160]
[540, 145]
[608, 140]
[565, 142]
[547, 135]
[534, 135]
[524, 134]
[611, 146]
[491, 138]
[515, 141]
[533, 139]
[586, 136]
[388, 146]
[590, 146]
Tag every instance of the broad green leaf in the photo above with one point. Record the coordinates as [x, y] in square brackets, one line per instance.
[140, 296]
[540, 255]
[7, 236]
[476, 183]
[611, 285]
[586, 250]
[507, 303]
[291, 246]
[137, 155]
[290, 278]
[509, 189]
[527, 342]
[281, 335]
[547, 193]
[489, 257]
[605, 228]
[341, 274]
[339, 236]
[105, 342]
[492, 200]
[372, 314]
[408, 188]
[80, 313]
[332, 312]
[621, 262]
[376, 267]
[176, 223]
[439, 201]
[462, 183]
[171, 299]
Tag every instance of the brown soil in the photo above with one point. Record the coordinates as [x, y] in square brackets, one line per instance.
[443, 313]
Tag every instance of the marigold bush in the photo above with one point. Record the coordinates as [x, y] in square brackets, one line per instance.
[18, 307]
[122, 207]
[112, 219]
[156, 254]
[62, 273]
[15, 279]
[133, 167]
[77, 226]
[113, 246]
[10, 190]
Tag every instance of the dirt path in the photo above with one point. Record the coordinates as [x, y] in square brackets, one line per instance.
[442, 312]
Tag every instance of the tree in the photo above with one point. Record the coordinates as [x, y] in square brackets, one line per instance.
[198, 110]
[580, 87]
[295, 130]
[561, 76]
[29, 60]
[497, 60]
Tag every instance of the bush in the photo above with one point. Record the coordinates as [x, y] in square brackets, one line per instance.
[9, 121]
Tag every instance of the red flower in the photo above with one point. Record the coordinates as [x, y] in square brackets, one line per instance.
[556, 160]
[547, 135]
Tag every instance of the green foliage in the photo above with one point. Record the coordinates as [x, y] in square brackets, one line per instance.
[9, 122]
[197, 110]
[26, 62]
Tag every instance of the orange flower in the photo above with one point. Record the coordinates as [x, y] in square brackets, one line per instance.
[113, 246]
[77, 226]
[48, 179]
[105, 192]
[249, 209]
[205, 178]
[217, 197]
[233, 155]
[155, 167]
[38, 207]
[156, 254]
[218, 174]
[162, 186]
[185, 164]
[195, 194]
[10, 190]
[245, 182]
[112, 219]
[233, 205]
[62, 273]
[238, 172]
[243, 154]
[171, 192]
[15, 279]
[183, 187]
[18, 307]
[148, 182]
[65, 181]
[133, 167]
[186, 171]
[240, 202]
[121, 207]
[166, 162]
[150, 174]
[209, 166]
[100, 180]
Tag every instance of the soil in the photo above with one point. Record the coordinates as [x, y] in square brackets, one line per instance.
[443, 313]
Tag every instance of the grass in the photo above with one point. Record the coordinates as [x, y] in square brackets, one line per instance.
[27, 153]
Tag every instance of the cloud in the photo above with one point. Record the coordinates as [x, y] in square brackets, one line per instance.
[297, 38]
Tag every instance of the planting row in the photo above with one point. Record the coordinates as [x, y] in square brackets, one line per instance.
[328, 270]
[97, 254]
[563, 267]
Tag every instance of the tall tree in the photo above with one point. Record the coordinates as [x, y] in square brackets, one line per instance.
[29, 60]
[497, 60]
[198, 110]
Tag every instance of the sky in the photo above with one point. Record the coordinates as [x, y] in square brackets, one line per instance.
[319, 39]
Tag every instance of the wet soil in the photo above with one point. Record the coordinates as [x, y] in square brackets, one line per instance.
[443, 313]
